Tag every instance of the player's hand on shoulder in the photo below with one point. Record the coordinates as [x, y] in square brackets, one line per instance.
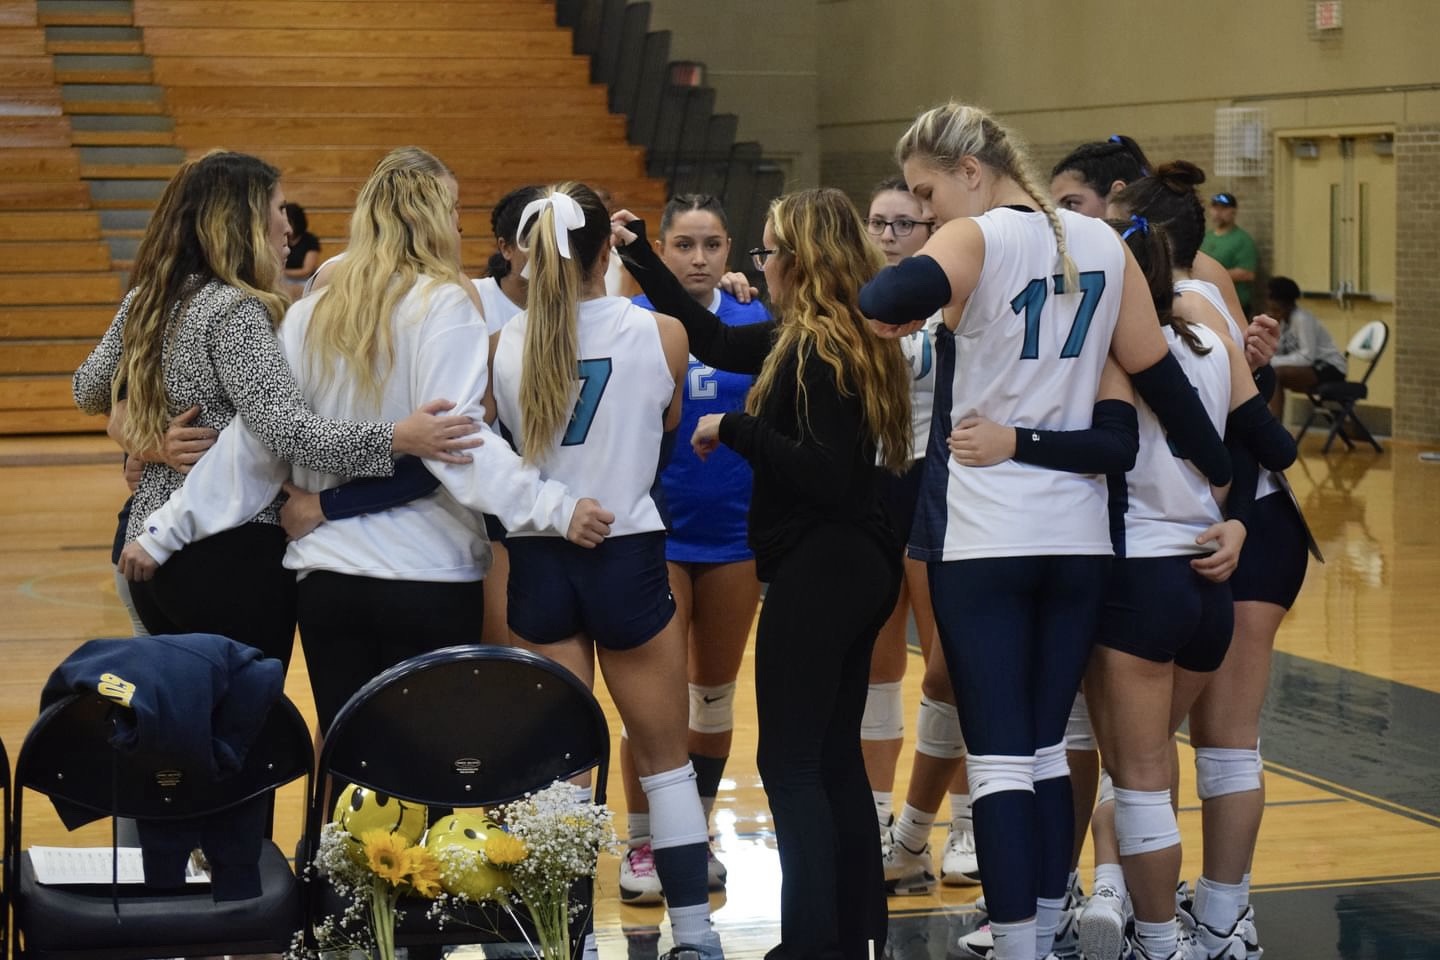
[738, 286]
[1262, 340]
[589, 524]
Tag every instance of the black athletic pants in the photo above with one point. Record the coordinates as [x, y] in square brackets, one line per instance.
[353, 628]
[826, 603]
[232, 584]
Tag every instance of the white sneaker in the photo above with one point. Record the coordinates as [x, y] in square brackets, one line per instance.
[978, 943]
[1102, 925]
[907, 871]
[1245, 927]
[959, 867]
[1067, 936]
[639, 883]
[715, 871]
[1206, 944]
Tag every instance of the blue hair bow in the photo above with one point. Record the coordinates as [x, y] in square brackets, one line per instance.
[1139, 223]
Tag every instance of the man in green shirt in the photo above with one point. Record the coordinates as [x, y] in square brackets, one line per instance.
[1232, 246]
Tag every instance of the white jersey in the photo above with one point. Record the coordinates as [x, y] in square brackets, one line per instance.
[1167, 501]
[499, 309]
[919, 351]
[610, 450]
[1027, 356]
[440, 350]
[1266, 484]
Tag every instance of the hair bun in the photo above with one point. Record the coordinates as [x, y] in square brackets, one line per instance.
[1182, 176]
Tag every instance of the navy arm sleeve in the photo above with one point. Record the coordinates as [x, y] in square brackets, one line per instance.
[1254, 427]
[1266, 381]
[374, 494]
[741, 349]
[914, 287]
[1109, 446]
[1240, 502]
[1173, 398]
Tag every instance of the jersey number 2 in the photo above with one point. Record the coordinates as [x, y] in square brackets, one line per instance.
[1031, 301]
[594, 375]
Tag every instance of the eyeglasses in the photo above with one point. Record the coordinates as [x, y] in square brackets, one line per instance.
[903, 226]
[760, 255]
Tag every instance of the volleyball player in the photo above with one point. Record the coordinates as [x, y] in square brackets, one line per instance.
[589, 386]
[1225, 721]
[712, 570]
[899, 224]
[1019, 555]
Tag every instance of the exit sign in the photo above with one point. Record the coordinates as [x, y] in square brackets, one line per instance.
[1327, 15]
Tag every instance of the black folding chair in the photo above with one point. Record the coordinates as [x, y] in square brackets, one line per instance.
[1336, 400]
[67, 757]
[465, 726]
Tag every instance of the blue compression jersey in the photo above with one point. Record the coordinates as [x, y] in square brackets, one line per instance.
[708, 501]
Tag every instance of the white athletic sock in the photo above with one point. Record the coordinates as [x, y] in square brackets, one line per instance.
[1217, 905]
[1014, 941]
[1110, 875]
[690, 924]
[1158, 940]
[639, 827]
[912, 827]
[960, 815]
[591, 949]
[884, 806]
[1047, 918]
[1244, 892]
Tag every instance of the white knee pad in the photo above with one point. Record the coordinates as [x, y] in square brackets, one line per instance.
[1221, 771]
[676, 817]
[884, 717]
[1144, 821]
[1051, 762]
[712, 709]
[937, 730]
[1079, 735]
[996, 773]
[1107, 788]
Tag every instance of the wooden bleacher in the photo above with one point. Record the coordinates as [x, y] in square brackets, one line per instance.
[320, 88]
[58, 290]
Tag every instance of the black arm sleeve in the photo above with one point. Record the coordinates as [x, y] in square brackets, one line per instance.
[741, 349]
[1174, 400]
[1109, 446]
[914, 287]
[1254, 427]
[1241, 499]
[1266, 381]
[374, 494]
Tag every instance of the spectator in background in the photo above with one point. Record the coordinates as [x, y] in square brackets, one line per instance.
[1307, 354]
[304, 256]
[1232, 246]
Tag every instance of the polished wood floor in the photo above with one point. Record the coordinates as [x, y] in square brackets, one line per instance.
[1353, 790]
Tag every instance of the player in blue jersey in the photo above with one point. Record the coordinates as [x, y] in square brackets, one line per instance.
[712, 570]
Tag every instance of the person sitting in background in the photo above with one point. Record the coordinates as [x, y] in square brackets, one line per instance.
[304, 256]
[1307, 355]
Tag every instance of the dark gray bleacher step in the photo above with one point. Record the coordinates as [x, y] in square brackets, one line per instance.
[137, 155]
[53, 9]
[78, 93]
[126, 220]
[89, 34]
[115, 122]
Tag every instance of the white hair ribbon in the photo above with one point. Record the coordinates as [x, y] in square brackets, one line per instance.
[568, 216]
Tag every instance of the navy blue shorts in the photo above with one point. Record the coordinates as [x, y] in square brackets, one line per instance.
[494, 529]
[1159, 609]
[899, 495]
[1272, 562]
[617, 595]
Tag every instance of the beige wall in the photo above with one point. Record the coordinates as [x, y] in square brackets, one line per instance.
[1061, 72]
[761, 58]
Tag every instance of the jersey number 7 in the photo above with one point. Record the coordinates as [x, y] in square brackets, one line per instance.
[1031, 301]
[594, 375]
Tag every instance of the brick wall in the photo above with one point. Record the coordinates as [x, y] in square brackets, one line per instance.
[1416, 339]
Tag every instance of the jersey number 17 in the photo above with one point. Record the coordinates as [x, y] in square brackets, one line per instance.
[1031, 301]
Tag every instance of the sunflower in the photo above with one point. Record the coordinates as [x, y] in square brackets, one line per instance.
[385, 852]
[424, 871]
[505, 850]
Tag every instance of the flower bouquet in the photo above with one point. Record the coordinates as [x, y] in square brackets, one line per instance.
[372, 853]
